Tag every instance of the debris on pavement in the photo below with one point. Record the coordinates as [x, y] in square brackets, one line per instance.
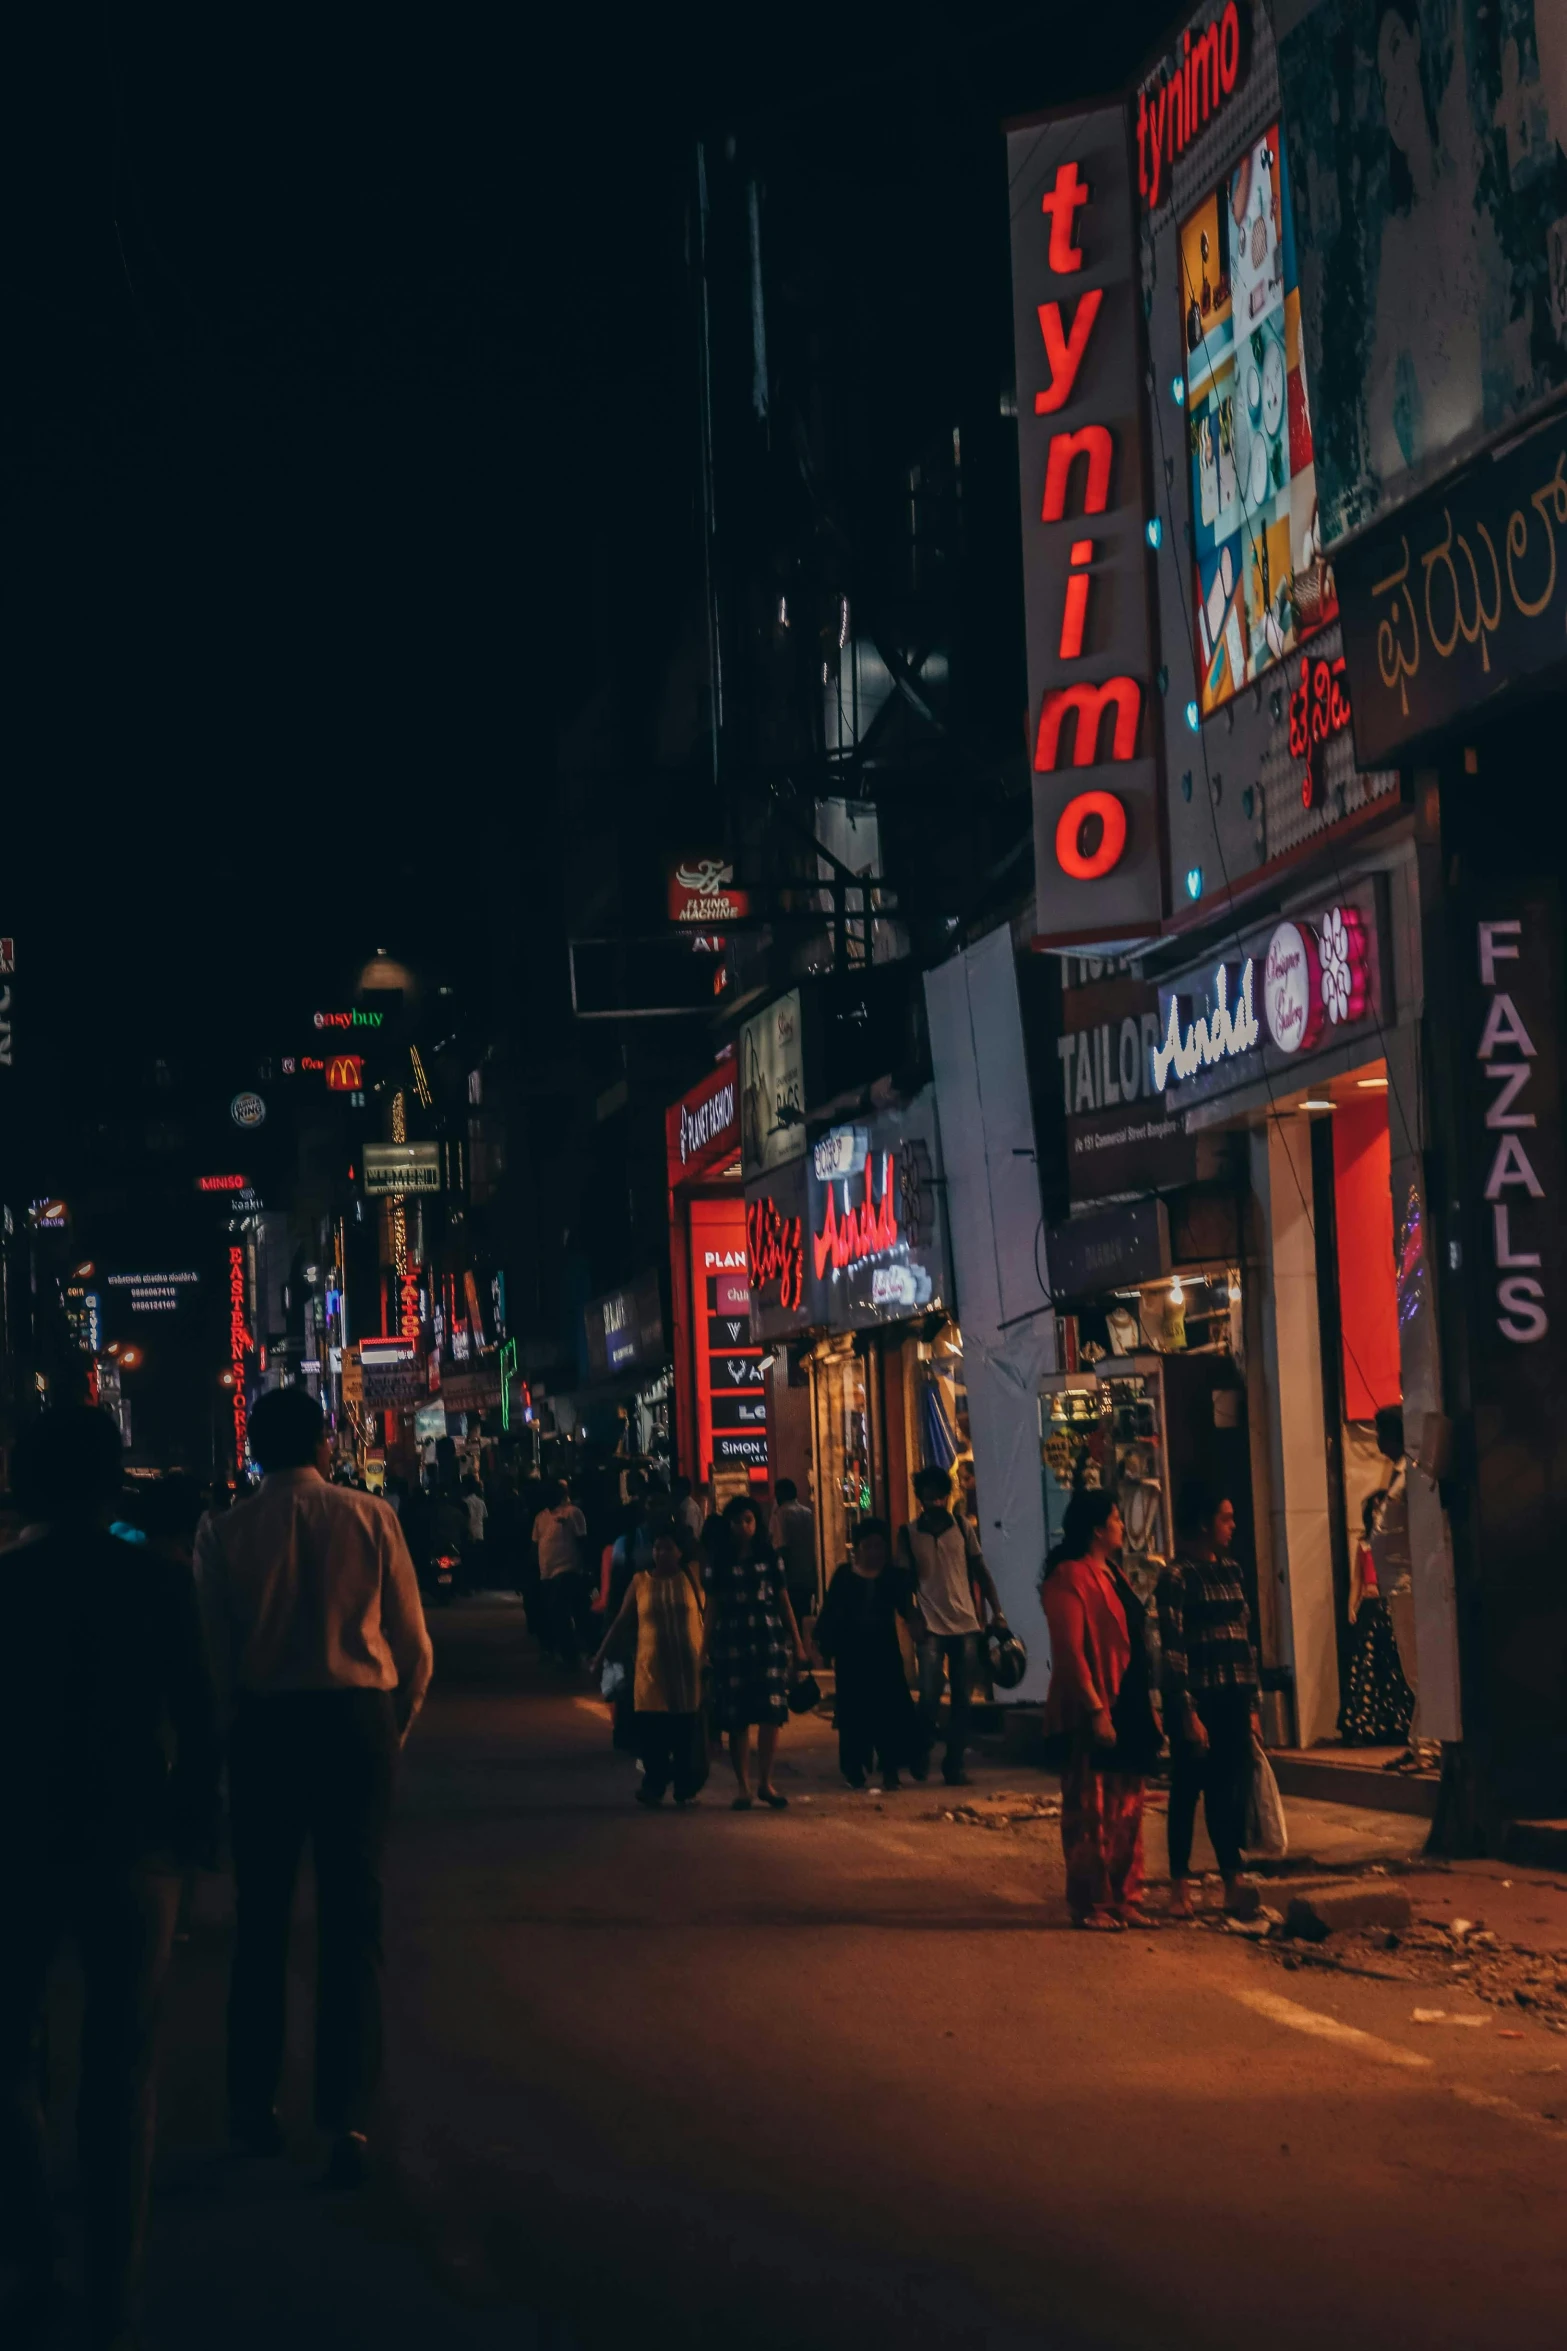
[1007, 1808]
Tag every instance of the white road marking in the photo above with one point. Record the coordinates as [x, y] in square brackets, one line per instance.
[1493, 2104]
[1326, 2028]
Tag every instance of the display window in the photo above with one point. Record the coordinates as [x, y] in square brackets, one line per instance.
[1260, 582]
[1157, 1394]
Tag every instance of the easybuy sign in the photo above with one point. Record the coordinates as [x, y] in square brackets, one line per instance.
[349, 1020]
[1077, 323]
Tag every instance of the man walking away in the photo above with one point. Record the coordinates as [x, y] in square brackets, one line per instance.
[559, 1532]
[476, 1511]
[792, 1529]
[321, 1654]
[107, 1669]
[943, 1555]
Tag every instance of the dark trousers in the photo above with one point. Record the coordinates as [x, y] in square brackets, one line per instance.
[1220, 1774]
[562, 1605]
[122, 1922]
[314, 1764]
[955, 1653]
[672, 1747]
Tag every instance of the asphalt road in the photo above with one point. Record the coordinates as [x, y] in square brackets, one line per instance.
[835, 2074]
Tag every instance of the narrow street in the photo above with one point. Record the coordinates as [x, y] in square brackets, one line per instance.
[809, 2077]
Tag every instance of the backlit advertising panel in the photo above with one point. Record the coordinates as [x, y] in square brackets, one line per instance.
[731, 1400]
[1260, 583]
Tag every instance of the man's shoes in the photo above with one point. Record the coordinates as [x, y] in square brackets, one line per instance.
[856, 1780]
[259, 2133]
[957, 1779]
[920, 1771]
[348, 2166]
[890, 1784]
[649, 1796]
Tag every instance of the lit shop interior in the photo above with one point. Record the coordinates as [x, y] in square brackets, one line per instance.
[1253, 1343]
[883, 1405]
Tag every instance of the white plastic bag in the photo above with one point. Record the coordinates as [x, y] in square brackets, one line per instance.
[1266, 1829]
[612, 1679]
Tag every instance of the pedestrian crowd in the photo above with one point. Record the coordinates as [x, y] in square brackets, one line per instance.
[283, 1638]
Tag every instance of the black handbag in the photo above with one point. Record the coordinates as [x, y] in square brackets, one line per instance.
[806, 1693]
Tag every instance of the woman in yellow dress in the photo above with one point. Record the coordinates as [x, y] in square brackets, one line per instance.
[664, 1602]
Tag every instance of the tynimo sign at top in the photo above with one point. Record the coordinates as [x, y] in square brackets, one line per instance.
[1097, 856]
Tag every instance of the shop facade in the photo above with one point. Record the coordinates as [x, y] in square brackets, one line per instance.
[1301, 931]
[853, 1303]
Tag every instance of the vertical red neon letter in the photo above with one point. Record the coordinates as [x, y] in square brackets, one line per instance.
[1061, 203]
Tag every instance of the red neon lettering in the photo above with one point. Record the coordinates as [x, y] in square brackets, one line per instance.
[1206, 75]
[774, 1252]
[1094, 445]
[869, 1230]
[1075, 612]
[1061, 203]
[1088, 703]
[1229, 47]
[1087, 865]
[239, 1344]
[1065, 351]
[1319, 709]
[1158, 108]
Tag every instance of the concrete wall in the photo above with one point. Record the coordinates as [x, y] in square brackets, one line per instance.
[1300, 1543]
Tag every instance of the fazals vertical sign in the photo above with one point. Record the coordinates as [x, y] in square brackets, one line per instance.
[1076, 318]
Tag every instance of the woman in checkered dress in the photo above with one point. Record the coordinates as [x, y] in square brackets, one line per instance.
[753, 1644]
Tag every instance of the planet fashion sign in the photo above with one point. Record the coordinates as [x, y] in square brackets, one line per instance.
[702, 1129]
[1311, 980]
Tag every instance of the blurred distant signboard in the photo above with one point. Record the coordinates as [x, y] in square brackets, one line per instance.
[345, 1073]
[702, 891]
[390, 1372]
[222, 1183]
[402, 1167]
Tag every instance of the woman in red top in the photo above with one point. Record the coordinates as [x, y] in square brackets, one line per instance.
[1100, 1700]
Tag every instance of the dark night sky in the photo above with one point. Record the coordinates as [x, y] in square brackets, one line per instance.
[338, 337]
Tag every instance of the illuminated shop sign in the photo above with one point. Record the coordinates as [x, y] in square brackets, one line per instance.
[1260, 582]
[345, 1073]
[1182, 99]
[1306, 982]
[248, 1110]
[1319, 710]
[348, 1020]
[702, 1129]
[48, 1216]
[392, 1168]
[625, 1330]
[1509, 1059]
[239, 1346]
[1077, 328]
[772, 1085]
[702, 890]
[222, 1183]
[775, 1252]
[875, 1248]
[154, 1293]
[731, 1407]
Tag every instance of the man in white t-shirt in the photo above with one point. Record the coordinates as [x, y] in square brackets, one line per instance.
[943, 1556]
[559, 1532]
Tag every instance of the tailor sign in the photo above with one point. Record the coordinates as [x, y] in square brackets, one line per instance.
[1077, 301]
[1308, 982]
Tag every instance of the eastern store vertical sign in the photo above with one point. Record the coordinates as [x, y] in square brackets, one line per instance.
[1076, 315]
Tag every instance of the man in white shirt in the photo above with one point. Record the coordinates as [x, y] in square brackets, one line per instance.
[792, 1532]
[943, 1556]
[321, 1660]
[559, 1533]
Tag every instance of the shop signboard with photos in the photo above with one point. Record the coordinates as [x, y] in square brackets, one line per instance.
[625, 1329]
[875, 1240]
[772, 1086]
[1260, 584]
[1428, 150]
[1266, 1001]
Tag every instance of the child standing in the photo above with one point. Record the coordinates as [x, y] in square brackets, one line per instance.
[857, 1632]
[664, 1601]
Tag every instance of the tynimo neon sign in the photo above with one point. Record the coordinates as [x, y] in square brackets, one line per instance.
[1170, 117]
[1082, 721]
[867, 1228]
